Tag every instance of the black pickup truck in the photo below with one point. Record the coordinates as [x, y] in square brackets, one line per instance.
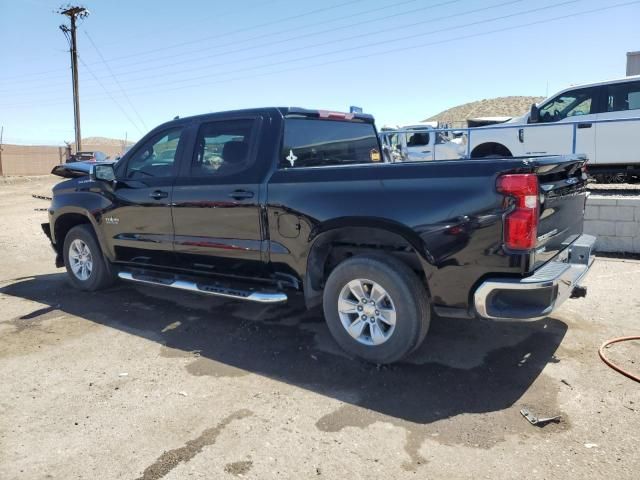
[262, 204]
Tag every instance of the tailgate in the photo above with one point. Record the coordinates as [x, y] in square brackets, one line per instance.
[562, 202]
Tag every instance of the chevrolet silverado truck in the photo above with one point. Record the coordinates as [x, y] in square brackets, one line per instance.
[260, 205]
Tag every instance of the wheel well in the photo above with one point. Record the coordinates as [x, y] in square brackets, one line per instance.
[338, 245]
[490, 148]
[65, 223]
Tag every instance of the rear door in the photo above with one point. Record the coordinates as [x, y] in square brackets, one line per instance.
[553, 135]
[216, 199]
[616, 137]
[139, 226]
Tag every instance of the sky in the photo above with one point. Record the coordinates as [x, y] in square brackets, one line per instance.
[143, 62]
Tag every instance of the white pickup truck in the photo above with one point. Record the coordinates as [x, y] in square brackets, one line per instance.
[420, 142]
[607, 124]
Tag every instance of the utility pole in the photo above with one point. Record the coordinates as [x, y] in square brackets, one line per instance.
[74, 13]
[1, 135]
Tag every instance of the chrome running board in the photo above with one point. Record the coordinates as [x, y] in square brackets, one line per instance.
[189, 286]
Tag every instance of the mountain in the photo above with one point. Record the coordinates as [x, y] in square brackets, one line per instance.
[492, 107]
[107, 142]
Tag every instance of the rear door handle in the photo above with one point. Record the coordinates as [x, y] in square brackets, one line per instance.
[158, 194]
[241, 194]
[584, 125]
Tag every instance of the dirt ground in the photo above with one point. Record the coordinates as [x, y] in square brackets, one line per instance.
[147, 383]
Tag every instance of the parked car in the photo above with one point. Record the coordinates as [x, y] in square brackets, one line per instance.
[420, 142]
[298, 202]
[95, 156]
[608, 119]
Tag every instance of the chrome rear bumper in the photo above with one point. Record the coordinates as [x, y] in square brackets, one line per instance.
[540, 294]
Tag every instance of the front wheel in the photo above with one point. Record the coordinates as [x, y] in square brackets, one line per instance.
[376, 308]
[86, 266]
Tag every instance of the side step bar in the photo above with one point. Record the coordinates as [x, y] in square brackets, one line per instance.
[252, 296]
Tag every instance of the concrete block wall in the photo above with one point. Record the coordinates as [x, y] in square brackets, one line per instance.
[616, 223]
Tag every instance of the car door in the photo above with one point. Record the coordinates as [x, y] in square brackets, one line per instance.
[139, 226]
[216, 200]
[616, 135]
[554, 134]
[419, 147]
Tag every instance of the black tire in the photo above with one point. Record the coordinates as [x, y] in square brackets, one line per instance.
[101, 275]
[409, 297]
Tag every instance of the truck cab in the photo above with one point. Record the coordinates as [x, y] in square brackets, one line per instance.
[598, 120]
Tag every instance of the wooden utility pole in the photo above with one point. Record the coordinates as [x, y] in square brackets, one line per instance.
[1, 135]
[74, 13]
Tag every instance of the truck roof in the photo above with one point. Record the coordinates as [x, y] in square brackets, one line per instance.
[631, 78]
[281, 111]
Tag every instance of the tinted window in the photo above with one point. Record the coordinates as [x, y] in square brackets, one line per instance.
[222, 148]
[311, 143]
[623, 96]
[157, 157]
[570, 104]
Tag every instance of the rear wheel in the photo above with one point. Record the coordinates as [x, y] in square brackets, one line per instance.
[87, 268]
[376, 308]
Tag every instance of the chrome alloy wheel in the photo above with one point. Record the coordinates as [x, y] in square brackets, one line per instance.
[367, 312]
[80, 259]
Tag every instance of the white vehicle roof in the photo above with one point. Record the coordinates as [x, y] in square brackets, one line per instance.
[632, 78]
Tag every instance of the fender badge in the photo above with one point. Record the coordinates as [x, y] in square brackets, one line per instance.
[292, 158]
[111, 220]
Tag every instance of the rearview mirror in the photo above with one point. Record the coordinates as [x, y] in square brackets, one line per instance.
[105, 173]
[534, 114]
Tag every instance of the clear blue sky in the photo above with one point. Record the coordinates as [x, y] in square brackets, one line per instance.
[402, 60]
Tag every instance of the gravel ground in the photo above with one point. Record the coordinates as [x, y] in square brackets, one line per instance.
[147, 383]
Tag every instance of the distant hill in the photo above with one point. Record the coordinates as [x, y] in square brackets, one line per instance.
[112, 142]
[492, 107]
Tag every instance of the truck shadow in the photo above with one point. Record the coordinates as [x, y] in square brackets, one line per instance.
[465, 366]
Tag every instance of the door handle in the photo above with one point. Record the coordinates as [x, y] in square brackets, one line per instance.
[241, 194]
[158, 194]
[584, 125]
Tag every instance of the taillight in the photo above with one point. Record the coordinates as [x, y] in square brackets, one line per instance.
[521, 224]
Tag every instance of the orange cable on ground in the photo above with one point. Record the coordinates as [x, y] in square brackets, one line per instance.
[613, 365]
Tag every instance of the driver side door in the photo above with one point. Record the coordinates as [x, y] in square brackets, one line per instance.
[554, 134]
[140, 225]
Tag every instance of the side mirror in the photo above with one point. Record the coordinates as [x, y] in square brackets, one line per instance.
[105, 173]
[534, 114]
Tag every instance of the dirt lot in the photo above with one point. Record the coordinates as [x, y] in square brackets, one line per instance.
[147, 383]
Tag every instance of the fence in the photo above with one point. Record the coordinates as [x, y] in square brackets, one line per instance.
[39, 160]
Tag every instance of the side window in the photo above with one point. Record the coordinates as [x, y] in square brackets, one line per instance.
[570, 104]
[222, 148]
[313, 143]
[418, 139]
[157, 157]
[623, 96]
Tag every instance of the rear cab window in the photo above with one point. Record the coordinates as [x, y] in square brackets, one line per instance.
[310, 142]
[623, 96]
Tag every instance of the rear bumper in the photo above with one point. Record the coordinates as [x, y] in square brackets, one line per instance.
[540, 294]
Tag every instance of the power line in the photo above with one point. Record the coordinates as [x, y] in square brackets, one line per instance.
[111, 96]
[333, 41]
[233, 32]
[116, 80]
[262, 45]
[359, 47]
[403, 48]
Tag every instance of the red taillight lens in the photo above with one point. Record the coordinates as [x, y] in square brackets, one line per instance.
[521, 225]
